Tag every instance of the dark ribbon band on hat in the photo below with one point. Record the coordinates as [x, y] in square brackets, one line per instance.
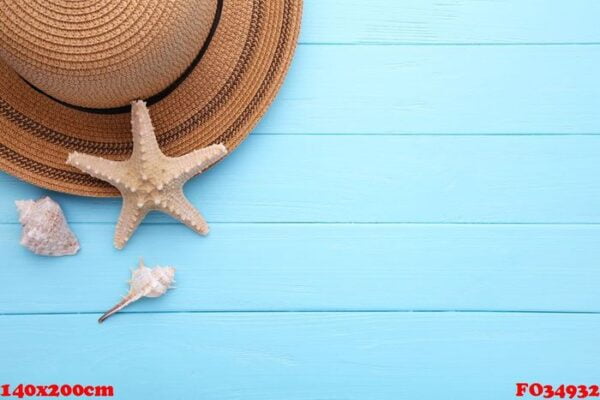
[162, 94]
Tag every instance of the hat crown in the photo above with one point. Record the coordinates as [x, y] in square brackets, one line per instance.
[103, 53]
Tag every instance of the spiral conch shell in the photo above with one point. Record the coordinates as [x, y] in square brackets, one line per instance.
[145, 282]
[45, 229]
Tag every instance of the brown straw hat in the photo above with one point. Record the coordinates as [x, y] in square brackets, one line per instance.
[69, 69]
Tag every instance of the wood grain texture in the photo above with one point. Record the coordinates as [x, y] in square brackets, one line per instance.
[454, 22]
[303, 356]
[423, 157]
[490, 179]
[314, 267]
[439, 90]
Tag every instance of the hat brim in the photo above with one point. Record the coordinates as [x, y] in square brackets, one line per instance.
[220, 101]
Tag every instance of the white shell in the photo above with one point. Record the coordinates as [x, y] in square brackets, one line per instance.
[151, 282]
[45, 229]
[145, 282]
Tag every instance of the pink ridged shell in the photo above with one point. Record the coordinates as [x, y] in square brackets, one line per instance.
[45, 229]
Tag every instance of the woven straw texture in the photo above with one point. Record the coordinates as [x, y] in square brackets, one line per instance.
[109, 51]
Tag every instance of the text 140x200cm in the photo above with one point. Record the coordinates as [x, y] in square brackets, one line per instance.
[65, 390]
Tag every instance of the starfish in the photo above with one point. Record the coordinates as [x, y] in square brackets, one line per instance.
[150, 180]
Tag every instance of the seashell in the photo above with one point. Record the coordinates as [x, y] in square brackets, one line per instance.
[45, 229]
[144, 282]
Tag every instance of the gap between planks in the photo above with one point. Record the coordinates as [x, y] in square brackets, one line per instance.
[446, 44]
[346, 223]
[308, 311]
[493, 134]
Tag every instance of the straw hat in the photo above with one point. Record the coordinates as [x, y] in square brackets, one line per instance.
[69, 69]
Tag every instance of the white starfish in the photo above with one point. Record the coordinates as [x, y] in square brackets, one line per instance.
[150, 180]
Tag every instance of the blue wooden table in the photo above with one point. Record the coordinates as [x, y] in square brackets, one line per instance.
[417, 217]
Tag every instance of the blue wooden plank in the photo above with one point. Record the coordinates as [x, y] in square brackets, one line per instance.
[491, 179]
[302, 356]
[286, 267]
[457, 21]
[439, 90]
[363, 90]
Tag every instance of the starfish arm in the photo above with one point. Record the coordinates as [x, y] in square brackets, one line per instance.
[145, 145]
[106, 170]
[130, 218]
[193, 163]
[179, 207]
